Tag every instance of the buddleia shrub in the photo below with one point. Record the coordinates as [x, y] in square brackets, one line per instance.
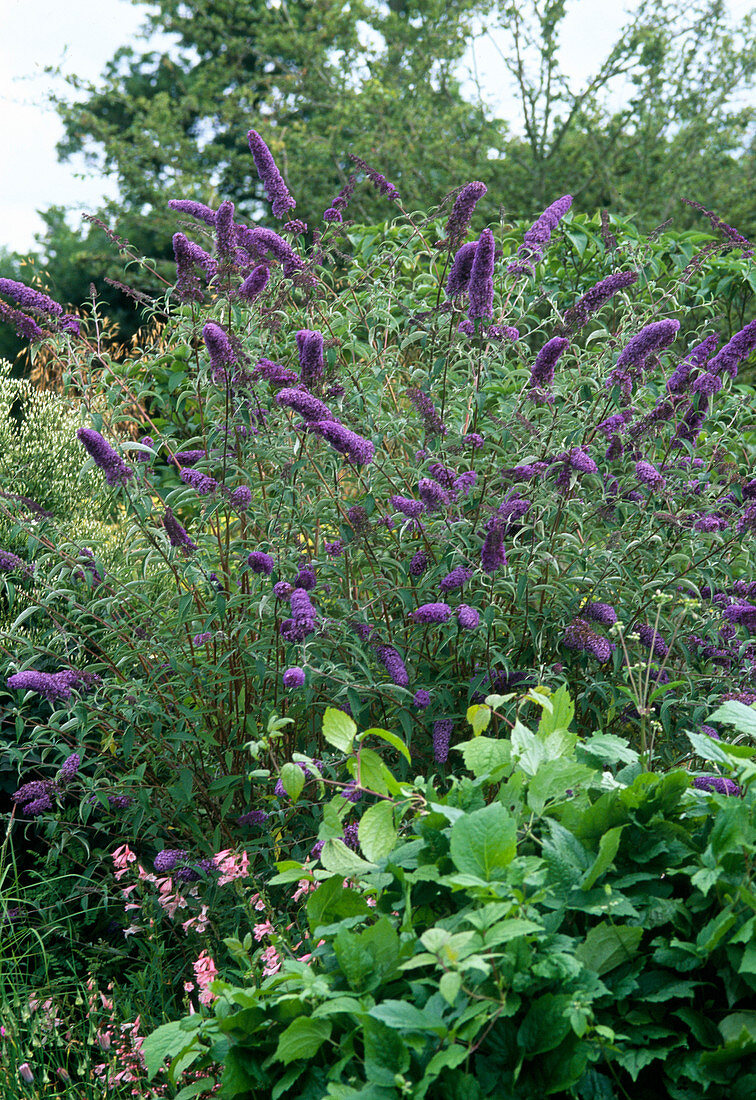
[392, 481]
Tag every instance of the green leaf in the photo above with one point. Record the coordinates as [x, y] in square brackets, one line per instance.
[479, 717]
[485, 755]
[377, 832]
[341, 860]
[333, 901]
[607, 748]
[166, 1042]
[450, 985]
[484, 842]
[608, 847]
[292, 780]
[561, 714]
[302, 1039]
[734, 713]
[608, 945]
[404, 1016]
[391, 739]
[339, 729]
[553, 779]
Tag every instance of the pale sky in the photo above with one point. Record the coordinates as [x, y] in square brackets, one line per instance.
[81, 35]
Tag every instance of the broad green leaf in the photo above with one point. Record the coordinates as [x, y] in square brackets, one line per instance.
[302, 1039]
[391, 739]
[339, 729]
[510, 929]
[377, 832]
[341, 860]
[485, 755]
[553, 779]
[484, 842]
[404, 1016]
[527, 750]
[737, 714]
[607, 748]
[292, 780]
[608, 945]
[561, 713]
[608, 846]
[450, 985]
[166, 1042]
[479, 717]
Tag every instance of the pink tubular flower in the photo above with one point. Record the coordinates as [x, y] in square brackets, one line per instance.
[272, 961]
[304, 887]
[263, 929]
[232, 865]
[122, 857]
[205, 972]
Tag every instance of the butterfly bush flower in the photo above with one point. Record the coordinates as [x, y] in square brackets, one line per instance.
[455, 579]
[306, 579]
[378, 180]
[735, 351]
[294, 677]
[424, 405]
[190, 260]
[577, 315]
[225, 236]
[418, 563]
[201, 483]
[187, 458]
[393, 663]
[219, 348]
[717, 783]
[462, 212]
[302, 611]
[52, 686]
[492, 554]
[197, 210]
[602, 613]
[240, 498]
[255, 283]
[11, 563]
[260, 562]
[412, 509]
[632, 359]
[468, 617]
[271, 179]
[253, 817]
[282, 589]
[33, 791]
[481, 287]
[581, 637]
[274, 373]
[70, 767]
[260, 242]
[649, 475]
[432, 613]
[422, 699]
[310, 347]
[542, 372]
[442, 730]
[115, 469]
[28, 298]
[358, 450]
[302, 402]
[434, 496]
[177, 535]
[458, 279]
[538, 236]
[652, 640]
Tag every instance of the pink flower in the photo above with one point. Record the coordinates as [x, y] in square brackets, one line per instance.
[199, 922]
[258, 902]
[205, 971]
[272, 961]
[231, 865]
[304, 887]
[122, 857]
[263, 929]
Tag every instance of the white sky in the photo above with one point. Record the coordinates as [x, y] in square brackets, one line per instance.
[81, 35]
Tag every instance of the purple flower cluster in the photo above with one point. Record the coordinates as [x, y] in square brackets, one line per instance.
[492, 554]
[580, 636]
[281, 589]
[434, 496]
[462, 212]
[459, 273]
[432, 613]
[442, 731]
[418, 563]
[310, 347]
[294, 677]
[253, 817]
[260, 242]
[652, 640]
[716, 783]
[334, 211]
[302, 402]
[736, 351]
[255, 283]
[577, 315]
[70, 768]
[306, 579]
[393, 663]
[602, 613]
[649, 475]
[260, 562]
[11, 563]
[177, 535]
[28, 298]
[219, 350]
[271, 179]
[358, 450]
[412, 509]
[115, 469]
[632, 359]
[379, 181]
[201, 483]
[455, 579]
[197, 210]
[481, 288]
[302, 612]
[427, 410]
[190, 261]
[168, 859]
[421, 699]
[52, 686]
[468, 617]
[542, 372]
[538, 236]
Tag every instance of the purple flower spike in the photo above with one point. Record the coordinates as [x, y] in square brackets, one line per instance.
[538, 236]
[167, 860]
[271, 179]
[260, 242]
[260, 562]
[274, 373]
[652, 640]
[253, 817]
[11, 563]
[302, 611]
[542, 373]
[190, 260]
[716, 783]
[294, 677]
[602, 613]
[176, 533]
[481, 287]
[378, 180]
[468, 617]
[393, 663]
[434, 496]
[255, 283]
[219, 348]
[115, 469]
[736, 351]
[201, 483]
[424, 405]
[577, 315]
[462, 212]
[241, 498]
[196, 210]
[492, 554]
[310, 347]
[412, 509]
[302, 402]
[52, 686]
[442, 731]
[418, 564]
[649, 475]
[70, 767]
[358, 450]
[459, 274]
[458, 576]
[28, 298]
[225, 236]
[422, 699]
[432, 613]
